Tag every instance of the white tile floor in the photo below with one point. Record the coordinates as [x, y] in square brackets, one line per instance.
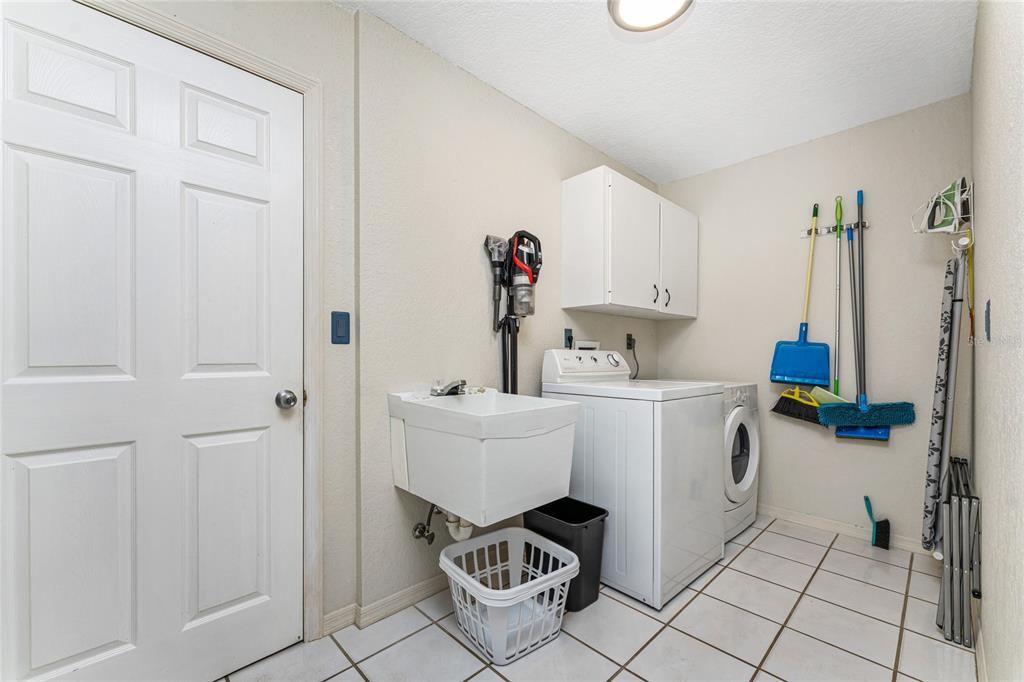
[789, 602]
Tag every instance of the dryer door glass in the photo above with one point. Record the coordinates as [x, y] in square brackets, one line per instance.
[740, 454]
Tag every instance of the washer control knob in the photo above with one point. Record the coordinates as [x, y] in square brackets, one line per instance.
[612, 360]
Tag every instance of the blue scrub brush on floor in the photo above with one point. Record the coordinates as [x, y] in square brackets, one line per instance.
[862, 419]
[879, 529]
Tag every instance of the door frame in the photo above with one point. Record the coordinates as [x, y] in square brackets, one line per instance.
[312, 288]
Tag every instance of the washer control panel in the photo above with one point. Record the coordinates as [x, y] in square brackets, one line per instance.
[563, 365]
[735, 395]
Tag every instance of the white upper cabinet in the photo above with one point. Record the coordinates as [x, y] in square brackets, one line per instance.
[678, 261]
[633, 244]
[626, 250]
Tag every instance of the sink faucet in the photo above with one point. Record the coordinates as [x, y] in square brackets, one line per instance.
[457, 387]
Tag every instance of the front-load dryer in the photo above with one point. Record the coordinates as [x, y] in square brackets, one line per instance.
[742, 456]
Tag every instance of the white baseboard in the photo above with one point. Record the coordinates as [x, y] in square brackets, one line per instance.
[342, 618]
[979, 656]
[354, 614]
[382, 608]
[901, 541]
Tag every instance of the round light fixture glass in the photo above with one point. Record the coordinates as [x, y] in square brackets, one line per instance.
[646, 15]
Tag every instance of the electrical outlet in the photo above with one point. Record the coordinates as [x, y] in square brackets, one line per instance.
[630, 341]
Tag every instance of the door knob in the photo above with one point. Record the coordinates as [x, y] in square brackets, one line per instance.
[657, 294]
[668, 297]
[286, 399]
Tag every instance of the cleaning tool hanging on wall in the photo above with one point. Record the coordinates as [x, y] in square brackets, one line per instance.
[799, 404]
[839, 269]
[515, 266]
[801, 361]
[823, 396]
[863, 419]
[879, 529]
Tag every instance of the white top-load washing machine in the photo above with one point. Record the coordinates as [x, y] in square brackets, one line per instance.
[742, 456]
[650, 452]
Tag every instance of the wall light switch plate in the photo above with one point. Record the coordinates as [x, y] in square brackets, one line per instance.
[339, 327]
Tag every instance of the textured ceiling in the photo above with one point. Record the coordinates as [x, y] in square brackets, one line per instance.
[735, 79]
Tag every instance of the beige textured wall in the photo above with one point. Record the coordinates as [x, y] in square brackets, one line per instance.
[999, 408]
[319, 43]
[752, 272]
[444, 160]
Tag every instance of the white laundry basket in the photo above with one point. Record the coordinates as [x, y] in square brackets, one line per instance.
[509, 589]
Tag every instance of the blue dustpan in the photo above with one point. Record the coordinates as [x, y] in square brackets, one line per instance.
[801, 361]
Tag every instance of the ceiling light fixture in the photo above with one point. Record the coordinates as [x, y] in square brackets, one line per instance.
[646, 15]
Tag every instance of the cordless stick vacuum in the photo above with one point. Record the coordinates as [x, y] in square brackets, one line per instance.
[515, 266]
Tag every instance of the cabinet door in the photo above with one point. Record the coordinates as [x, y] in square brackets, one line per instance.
[632, 244]
[678, 261]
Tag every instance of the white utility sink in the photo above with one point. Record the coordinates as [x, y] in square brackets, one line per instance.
[483, 456]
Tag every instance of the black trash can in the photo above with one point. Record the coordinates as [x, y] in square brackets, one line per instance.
[579, 527]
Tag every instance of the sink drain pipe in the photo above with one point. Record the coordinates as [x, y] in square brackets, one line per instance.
[460, 529]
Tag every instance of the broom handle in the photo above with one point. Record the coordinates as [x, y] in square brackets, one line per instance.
[839, 262]
[862, 369]
[854, 308]
[810, 264]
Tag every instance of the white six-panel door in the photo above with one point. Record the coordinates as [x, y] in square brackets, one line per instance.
[150, 488]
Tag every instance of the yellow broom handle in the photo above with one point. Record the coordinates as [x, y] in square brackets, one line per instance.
[810, 263]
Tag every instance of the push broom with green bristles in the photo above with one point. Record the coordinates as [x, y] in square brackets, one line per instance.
[864, 420]
[801, 361]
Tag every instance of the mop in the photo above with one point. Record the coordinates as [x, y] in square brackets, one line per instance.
[862, 419]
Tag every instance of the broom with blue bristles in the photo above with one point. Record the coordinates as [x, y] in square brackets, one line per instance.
[862, 419]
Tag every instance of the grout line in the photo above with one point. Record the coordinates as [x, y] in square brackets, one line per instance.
[427, 615]
[687, 604]
[486, 663]
[401, 639]
[847, 608]
[627, 604]
[810, 542]
[842, 575]
[595, 650]
[745, 610]
[903, 622]
[778, 634]
[836, 646]
[812, 596]
[347, 657]
[881, 587]
[889, 563]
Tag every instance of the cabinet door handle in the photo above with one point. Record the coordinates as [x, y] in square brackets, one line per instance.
[668, 297]
[657, 294]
